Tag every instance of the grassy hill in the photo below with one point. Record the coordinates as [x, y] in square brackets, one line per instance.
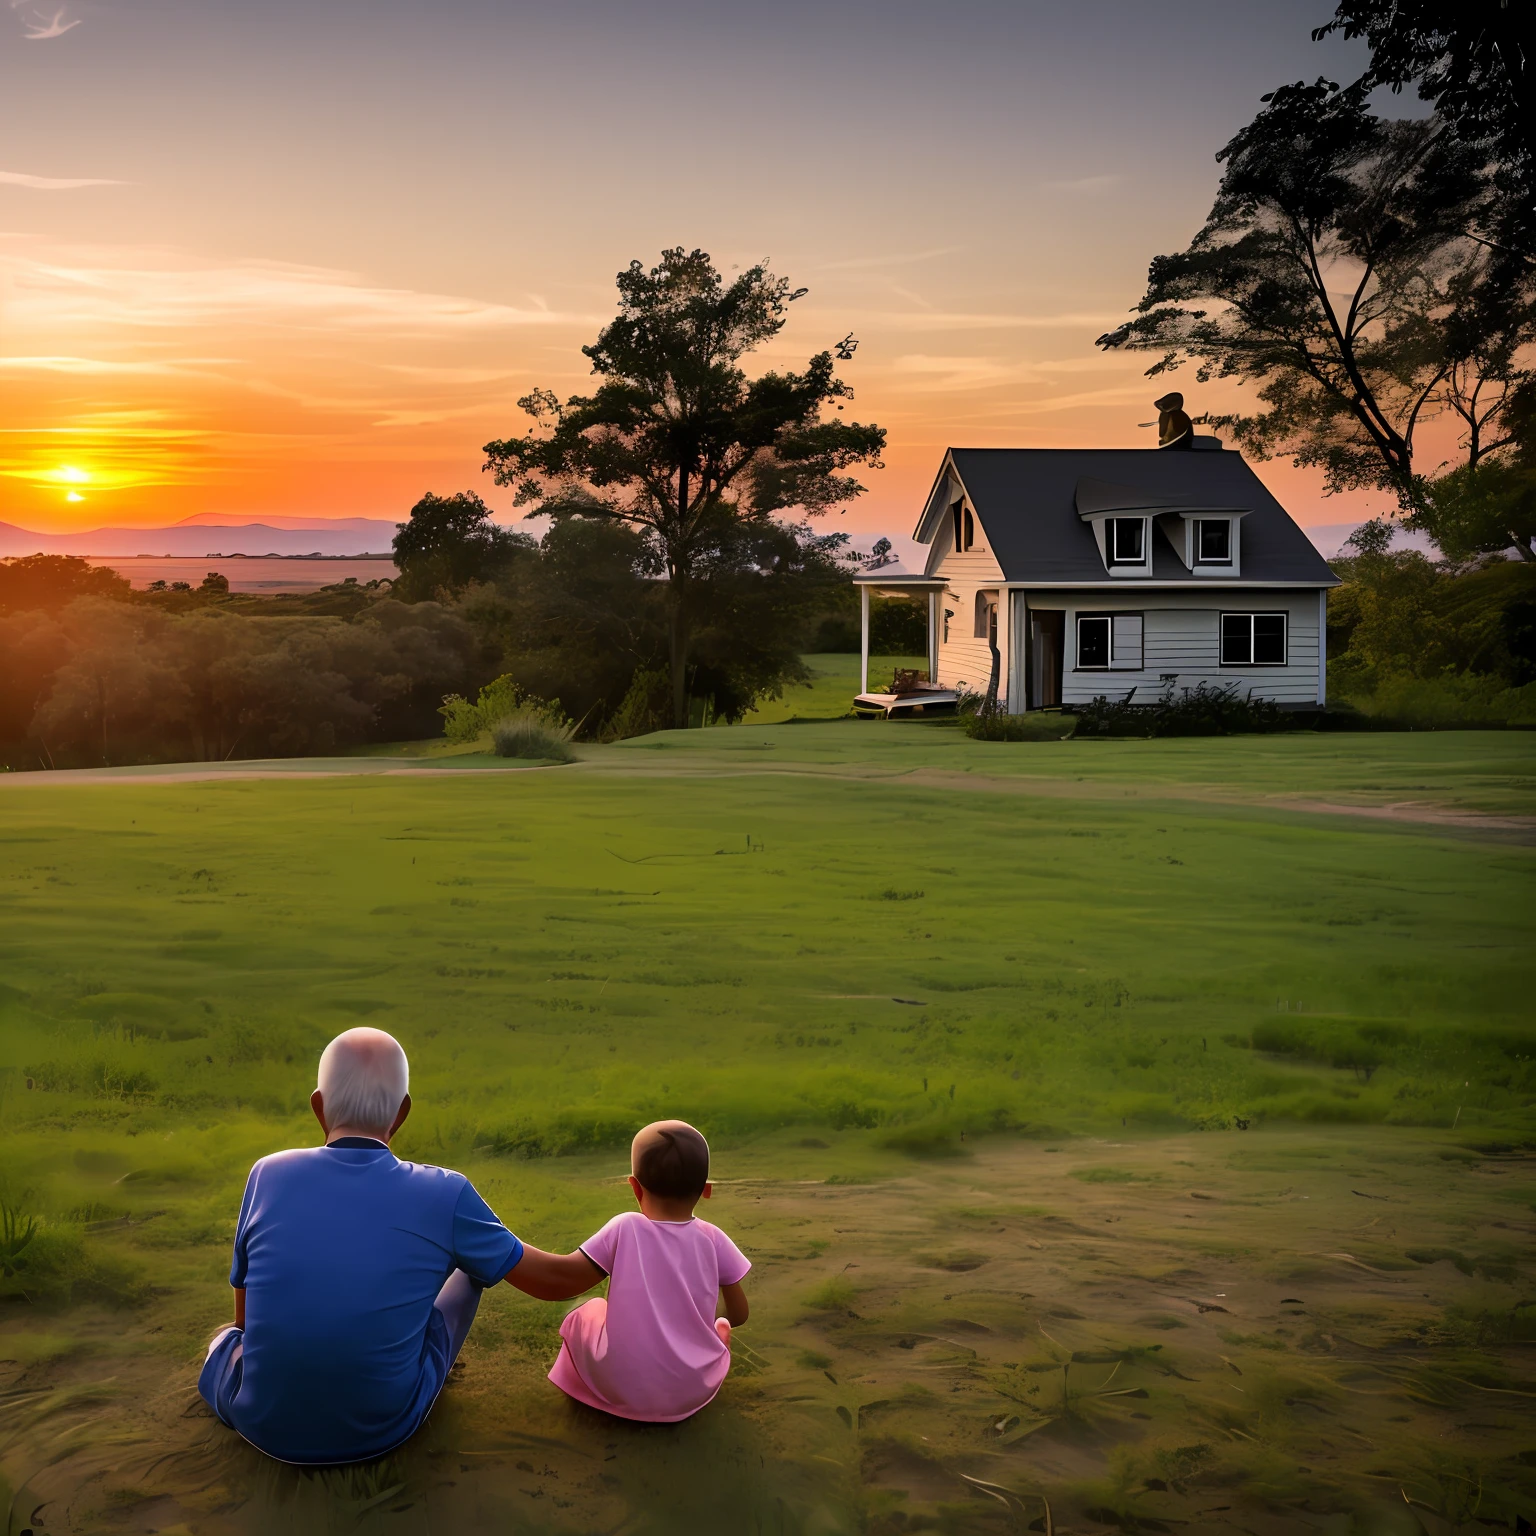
[1006, 1053]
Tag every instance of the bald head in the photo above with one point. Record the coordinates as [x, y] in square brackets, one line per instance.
[364, 1078]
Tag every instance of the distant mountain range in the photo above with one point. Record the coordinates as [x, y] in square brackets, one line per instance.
[212, 533]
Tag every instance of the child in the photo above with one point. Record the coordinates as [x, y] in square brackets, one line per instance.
[654, 1349]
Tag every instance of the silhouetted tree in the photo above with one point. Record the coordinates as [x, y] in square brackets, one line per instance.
[1337, 274]
[449, 542]
[678, 443]
[48, 582]
[1471, 59]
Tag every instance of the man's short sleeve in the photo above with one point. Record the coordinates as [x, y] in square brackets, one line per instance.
[733, 1263]
[482, 1246]
[240, 1262]
[603, 1244]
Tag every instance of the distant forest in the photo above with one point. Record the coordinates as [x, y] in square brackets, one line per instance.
[96, 673]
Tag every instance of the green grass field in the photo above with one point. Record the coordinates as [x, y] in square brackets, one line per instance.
[1138, 1129]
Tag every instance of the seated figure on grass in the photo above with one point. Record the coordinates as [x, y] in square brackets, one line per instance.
[654, 1349]
[357, 1276]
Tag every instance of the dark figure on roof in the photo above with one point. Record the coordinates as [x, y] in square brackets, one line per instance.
[1174, 428]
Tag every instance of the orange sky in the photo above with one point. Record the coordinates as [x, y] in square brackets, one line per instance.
[303, 260]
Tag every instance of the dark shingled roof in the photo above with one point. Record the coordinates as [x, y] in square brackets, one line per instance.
[1027, 499]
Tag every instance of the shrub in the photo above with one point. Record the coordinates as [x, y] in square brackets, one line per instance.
[1200, 711]
[532, 734]
[1457, 700]
[499, 700]
[1038, 726]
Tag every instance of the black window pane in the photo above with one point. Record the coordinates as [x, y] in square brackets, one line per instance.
[1236, 639]
[1093, 642]
[1215, 540]
[1269, 639]
[1126, 535]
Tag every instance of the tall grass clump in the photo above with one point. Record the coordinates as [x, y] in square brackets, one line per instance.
[532, 733]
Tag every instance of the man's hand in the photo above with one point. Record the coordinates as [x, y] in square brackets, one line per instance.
[553, 1276]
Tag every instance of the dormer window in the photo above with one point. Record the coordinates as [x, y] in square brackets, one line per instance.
[1127, 540]
[1213, 541]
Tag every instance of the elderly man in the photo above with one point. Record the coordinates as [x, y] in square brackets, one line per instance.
[357, 1276]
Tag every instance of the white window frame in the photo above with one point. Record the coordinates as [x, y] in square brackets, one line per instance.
[1226, 559]
[1116, 621]
[1112, 525]
[1285, 638]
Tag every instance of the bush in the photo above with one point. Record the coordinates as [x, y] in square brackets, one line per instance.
[533, 734]
[1198, 711]
[500, 699]
[1038, 726]
[1444, 703]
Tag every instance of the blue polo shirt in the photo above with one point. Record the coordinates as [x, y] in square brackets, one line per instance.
[341, 1251]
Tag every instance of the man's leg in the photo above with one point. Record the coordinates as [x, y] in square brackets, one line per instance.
[458, 1301]
[219, 1381]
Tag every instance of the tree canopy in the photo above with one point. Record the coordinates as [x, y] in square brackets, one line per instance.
[680, 444]
[48, 582]
[1336, 276]
[449, 542]
[1471, 59]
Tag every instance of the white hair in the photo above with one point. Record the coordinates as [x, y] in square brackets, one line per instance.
[363, 1078]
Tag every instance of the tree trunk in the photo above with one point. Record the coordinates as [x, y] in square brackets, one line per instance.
[677, 636]
[989, 707]
[677, 639]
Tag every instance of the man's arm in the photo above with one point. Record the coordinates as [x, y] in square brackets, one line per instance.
[239, 1291]
[736, 1309]
[553, 1276]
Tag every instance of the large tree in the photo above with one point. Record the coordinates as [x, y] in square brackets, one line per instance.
[679, 443]
[1472, 60]
[1339, 275]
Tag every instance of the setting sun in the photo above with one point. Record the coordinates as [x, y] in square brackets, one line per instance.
[74, 496]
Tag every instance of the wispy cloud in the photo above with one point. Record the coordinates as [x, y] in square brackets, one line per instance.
[1084, 184]
[950, 320]
[903, 259]
[152, 289]
[39, 25]
[54, 183]
[927, 374]
[191, 367]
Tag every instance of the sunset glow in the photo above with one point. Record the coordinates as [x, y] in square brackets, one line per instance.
[307, 307]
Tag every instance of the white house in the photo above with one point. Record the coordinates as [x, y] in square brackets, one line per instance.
[1115, 572]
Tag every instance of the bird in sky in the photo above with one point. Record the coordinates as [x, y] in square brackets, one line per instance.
[38, 30]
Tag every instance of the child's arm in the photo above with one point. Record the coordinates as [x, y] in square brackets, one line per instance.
[736, 1308]
[553, 1276]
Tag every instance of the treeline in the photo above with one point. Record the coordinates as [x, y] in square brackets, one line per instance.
[95, 673]
[108, 680]
[1432, 643]
[583, 616]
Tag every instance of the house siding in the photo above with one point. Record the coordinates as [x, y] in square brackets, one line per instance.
[963, 658]
[1181, 636]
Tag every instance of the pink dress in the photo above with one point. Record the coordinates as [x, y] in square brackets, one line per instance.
[651, 1350]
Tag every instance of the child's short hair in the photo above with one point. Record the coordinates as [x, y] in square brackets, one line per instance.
[671, 1160]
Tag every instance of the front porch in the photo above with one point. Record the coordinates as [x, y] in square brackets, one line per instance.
[909, 694]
